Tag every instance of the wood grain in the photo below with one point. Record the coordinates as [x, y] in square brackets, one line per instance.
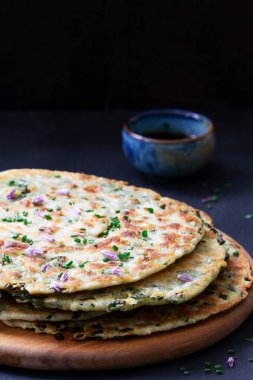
[24, 348]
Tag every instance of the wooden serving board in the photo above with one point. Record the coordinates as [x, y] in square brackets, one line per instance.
[24, 348]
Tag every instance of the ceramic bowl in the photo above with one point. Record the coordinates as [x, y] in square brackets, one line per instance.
[168, 157]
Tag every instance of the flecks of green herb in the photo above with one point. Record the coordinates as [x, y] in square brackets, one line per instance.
[105, 259]
[98, 216]
[25, 213]
[105, 233]
[83, 264]
[25, 222]
[121, 265]
[47, 217]
[125, 217]
[218, 366]
[11, 183]
[24, 238]
[208, 364]
[8, 220]
[57, 208]
[82, 229]
[144, 233]
[53, 198]
[6, 259]
[115, 247]
[223, 296]
[236, 253]
[89, 210]
[102, 271]
[248, 216]
[77, 240]
[117, 211]
[124, 255]
[207, 370]
[6, 208]
[186, 373]
[84, 241]
[218, 371]
[115, 222]
[15, 236]
[57, 176]
[151, 210]
[68, 265]
[50, 209]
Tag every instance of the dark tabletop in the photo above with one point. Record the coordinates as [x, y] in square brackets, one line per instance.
[90, 142]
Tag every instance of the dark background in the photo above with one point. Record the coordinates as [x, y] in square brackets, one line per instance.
[98, 54]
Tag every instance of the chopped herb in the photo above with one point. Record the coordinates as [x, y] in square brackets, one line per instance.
[24, 238]
[18, 220]
[236, 253]
[98, 216]
[8, 220]
[57, 176]
[11, 183]
[77, 240]
[15, 236]
[25, 222]
[48, 217]
[115, 222]
[25, 213]
[115, 247]
[105, 259]
[151, 210]
[123, 256]
[89, 210]
[207, 370]
[74, 235]
[144, 233]
[82, 229]
[105, 233]
[186, 373]
[50, 209]
[218, 372]
[208, 364]
[7, 209]
[218, 366]
[84, 241]
[68, 265]
[6, 259]
[57, 208]
[223, 296]
[121, 264]
[83, 264]
[125, 217]
[117, 211]
[53, 198]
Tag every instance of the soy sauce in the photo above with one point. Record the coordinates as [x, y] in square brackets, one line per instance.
[166, 135]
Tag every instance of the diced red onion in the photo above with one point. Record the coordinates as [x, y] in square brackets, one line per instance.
[41, 213]
[116, 271]
[49, 237]
[230, 362]
[76, 210]
[63, 192]
[110, 255]
[64, 277]
[38, 201]
[12, 195]
[34, 251]
[45, 266]
[184, 278]
[57, 285]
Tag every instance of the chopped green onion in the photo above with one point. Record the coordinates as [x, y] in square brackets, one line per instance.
[57, 208]
[15, 236]
[11, 183]
[236, 253]
[24, 238]
[25, 213]
[48, 217]
[144, 233]
[207, 370]
[115, 247]
[105, 259]
[117, 211]
[124, 255]
[50, 209]
[84, 241]
[125, 217]
[83, 264]
[68, 265]
[77, 240]
[151, 210]
[6, 259]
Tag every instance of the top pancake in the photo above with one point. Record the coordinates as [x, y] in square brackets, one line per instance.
[67, 232]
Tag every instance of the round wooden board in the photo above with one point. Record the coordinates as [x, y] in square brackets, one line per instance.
[24, 348]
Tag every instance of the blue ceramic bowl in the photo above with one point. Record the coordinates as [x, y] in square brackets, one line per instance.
[168, 157]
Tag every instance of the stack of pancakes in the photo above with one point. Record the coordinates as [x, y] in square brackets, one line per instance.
[98, 258]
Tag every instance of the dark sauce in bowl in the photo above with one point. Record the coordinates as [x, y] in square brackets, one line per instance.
[166, 135]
